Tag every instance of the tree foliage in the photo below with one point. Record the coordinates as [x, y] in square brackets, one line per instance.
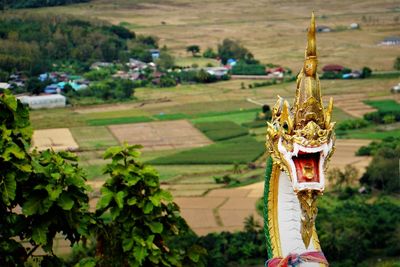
[48, 186]
[32, 43]
[233, 49]
[143, 218]
[45, 193]
[194, 49]
[38, 3]
[383, 171]
[350, 229]
[396, 64]
[109, 89]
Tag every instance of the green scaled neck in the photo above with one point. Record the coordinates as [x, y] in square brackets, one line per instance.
[268, 171]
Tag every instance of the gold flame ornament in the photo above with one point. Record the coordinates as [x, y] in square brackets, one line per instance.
[301, 138]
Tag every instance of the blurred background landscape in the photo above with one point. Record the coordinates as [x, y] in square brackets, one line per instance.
[194, 82]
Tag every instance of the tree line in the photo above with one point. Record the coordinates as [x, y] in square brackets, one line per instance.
[37, 3]
[36, 43]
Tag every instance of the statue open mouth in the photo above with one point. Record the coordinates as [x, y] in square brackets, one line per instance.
[306, 165]
[306, 170]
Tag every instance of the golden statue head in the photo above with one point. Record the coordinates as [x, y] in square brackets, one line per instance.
[300, 138]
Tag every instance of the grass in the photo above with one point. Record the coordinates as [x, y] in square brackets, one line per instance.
[56, 118]
[247, 178]
[339, 115]
[371, 132]
[369, 135]
[189, 173]
[221, 130]
[123, 120]
[199, 61]
[93, 138]
[384, 105]
[169, 117]
[236, 117]
[386, 74]
[241, 150]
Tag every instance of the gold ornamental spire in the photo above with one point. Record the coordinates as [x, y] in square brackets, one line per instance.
[311, 50]
[308, 101]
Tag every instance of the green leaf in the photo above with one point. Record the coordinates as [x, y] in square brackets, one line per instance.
[8, 187]
[165, 195]
[56, 176]
[127, 244]
[13, 149]
[65, 201]
[86, 262]
[10, 102]
[148, 208]
[36, 204]
[68, 170]
[106, 197]
[132, 180]
[54, 191]
[149, 241]
[155, 199]
[160, 195]
[114, 212]
[195, 251]
[156, 227]
[112, 151]
[119, 198]
[140, 253]
[39, 234]
[132, 201]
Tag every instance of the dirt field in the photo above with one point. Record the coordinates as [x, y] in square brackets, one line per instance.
[160, 135]
[353, 105]
[57, 139]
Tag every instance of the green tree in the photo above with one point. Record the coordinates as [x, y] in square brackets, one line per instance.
[166, 61]
[34, 86]
[346, 177]
[233, 49]
[383, 171]
[142, 217]
[366, 72]
[210, 53]
[194, 49]
[49, 187]
[396, 64]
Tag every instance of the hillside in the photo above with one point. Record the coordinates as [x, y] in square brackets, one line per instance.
[32, 43]
[272, 30]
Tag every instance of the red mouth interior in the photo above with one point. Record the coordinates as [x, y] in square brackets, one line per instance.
[307, 167]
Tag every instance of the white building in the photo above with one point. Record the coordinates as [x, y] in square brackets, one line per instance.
[44, 101]
[5, 86]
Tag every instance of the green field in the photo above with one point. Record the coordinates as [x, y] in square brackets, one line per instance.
[190, 173]
[369, 133]
[384, 105]
[123, 120]
[240, 150]
[221, 130]
[93, 138]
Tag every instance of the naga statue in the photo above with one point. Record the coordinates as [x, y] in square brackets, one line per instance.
[300, 140]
